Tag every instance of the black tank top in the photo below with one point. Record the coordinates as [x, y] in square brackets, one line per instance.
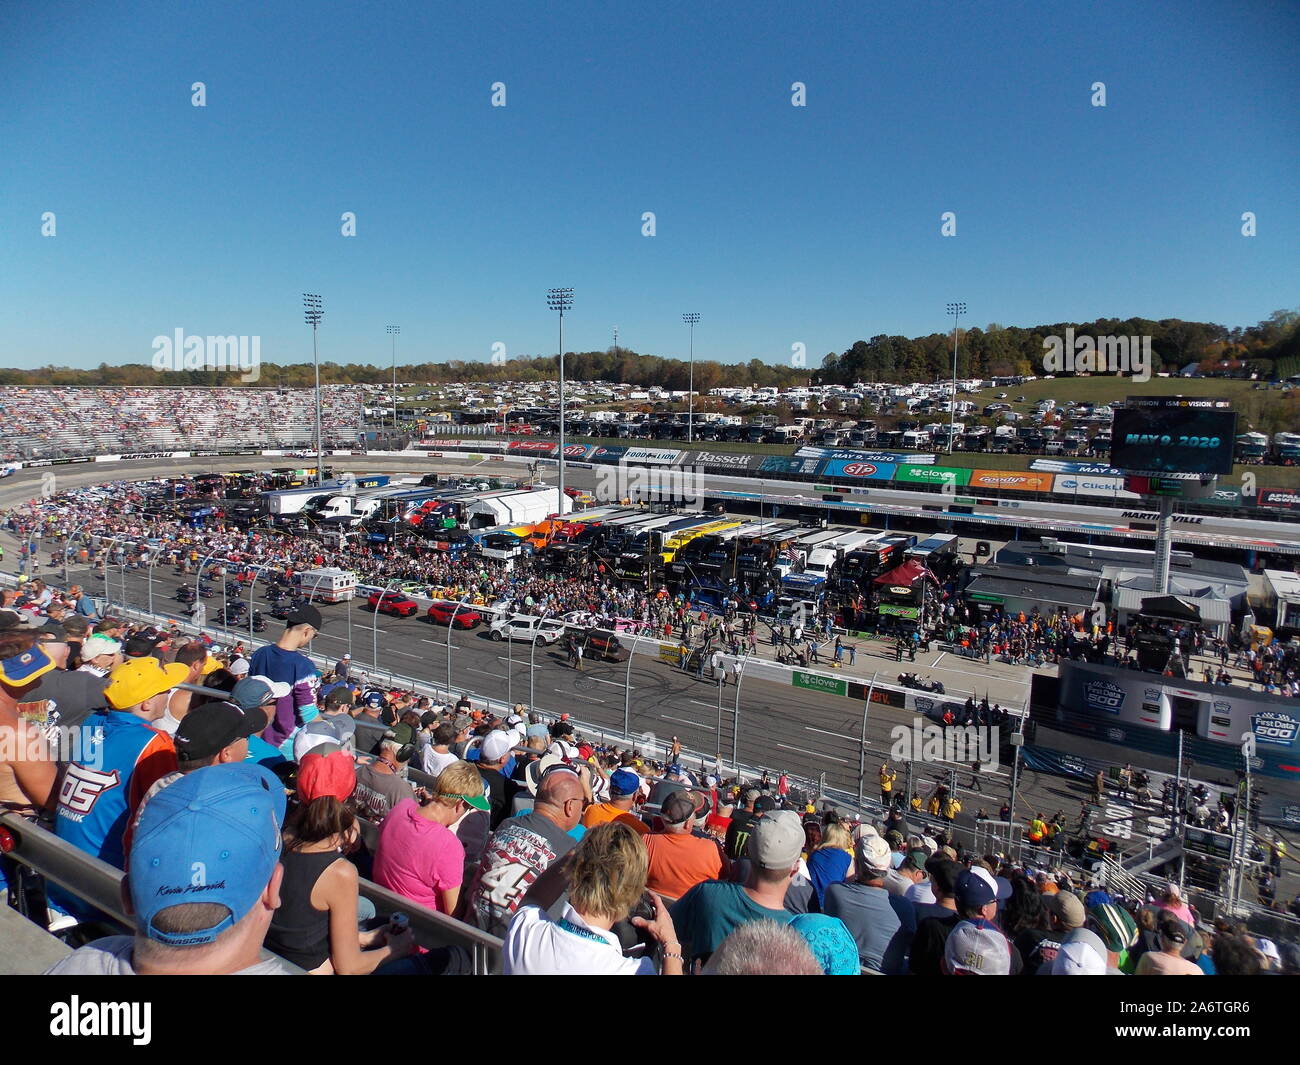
[299, 932]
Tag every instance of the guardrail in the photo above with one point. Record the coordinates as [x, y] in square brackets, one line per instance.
[100, 884]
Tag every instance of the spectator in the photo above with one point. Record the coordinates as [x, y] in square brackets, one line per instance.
[881, 924]
[832, 861]
[976, 900]
[316, 926]
[257, 694]
[215, 734]
[977, 948]
[623, 787]
[764, 948]
[1118, 932]
[1235, 955]
[99, 654]
[195, 657]
[418, 855]
[678, 859]
[437, 755]
[1082, 953]
[223, 818]
[830, 942]
[27, 764]
[382, 784]
[522, 848]
[494, 752]
[284, 663]
[1171, 899]
[98, 798]
[1167, 959]
[708, 913]
[335, 725]
[607, 876]
[943, 872]
[742, 821]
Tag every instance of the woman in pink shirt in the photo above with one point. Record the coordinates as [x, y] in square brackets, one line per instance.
[418, 855]
[1172, 900]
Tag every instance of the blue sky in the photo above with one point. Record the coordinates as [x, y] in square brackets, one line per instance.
[817, 225]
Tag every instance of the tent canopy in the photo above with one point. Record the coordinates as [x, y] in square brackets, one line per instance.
[906, 574]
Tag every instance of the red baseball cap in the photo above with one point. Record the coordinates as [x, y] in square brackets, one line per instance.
[333, 774]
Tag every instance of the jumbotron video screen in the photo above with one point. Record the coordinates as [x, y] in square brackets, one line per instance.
[1169, 434]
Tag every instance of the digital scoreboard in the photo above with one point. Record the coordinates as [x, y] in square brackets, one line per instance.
[1172, 434]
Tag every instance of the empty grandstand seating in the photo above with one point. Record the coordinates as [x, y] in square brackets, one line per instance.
[65, 421]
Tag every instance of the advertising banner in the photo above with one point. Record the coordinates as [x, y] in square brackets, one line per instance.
[1011, 480]
[906, 458]
[933, 475]
[1107, 487]
[614, 453]
[1100, 469]
[655, 456]
[817, 683]
[532, 447]
[1280, 497]
[865, 471]
[809, 467]
[912, 613]
[726, 460]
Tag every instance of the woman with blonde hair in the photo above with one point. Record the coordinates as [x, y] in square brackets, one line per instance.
[606, 877]
[832, 861]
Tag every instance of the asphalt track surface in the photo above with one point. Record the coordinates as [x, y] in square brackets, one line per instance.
[809, 734]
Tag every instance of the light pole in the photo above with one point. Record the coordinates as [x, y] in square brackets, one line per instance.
[313, 312]
[956, 310]
[690, 320]
[393, 330]
[560, 299]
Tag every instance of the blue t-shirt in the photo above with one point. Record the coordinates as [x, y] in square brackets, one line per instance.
[263, 753]
[711, 911]
[827, 866]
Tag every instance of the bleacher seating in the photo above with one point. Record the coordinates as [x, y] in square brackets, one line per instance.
[67, 421]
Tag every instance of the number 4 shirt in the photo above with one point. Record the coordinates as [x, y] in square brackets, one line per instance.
[516, 855]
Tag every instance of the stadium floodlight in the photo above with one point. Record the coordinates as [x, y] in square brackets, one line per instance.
[690, 320]
[560, 299]
[393, 330]
[956, 310]
[313, 311]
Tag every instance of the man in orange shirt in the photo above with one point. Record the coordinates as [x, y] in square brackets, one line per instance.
[679, 860]
[623, 786]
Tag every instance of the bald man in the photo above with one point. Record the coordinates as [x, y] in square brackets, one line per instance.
[522, 848]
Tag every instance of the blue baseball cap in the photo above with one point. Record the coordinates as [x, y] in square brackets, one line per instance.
[211, 836]
[22, 669]
[624, 782]
[973, 891]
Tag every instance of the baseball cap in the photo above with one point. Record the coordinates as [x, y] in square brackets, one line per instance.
[1068, 907]
[496, 745]
[977, 948]
[678, 808]
[916, 860]
[142, 644]
[254, 691]
[17, 619]
[874, 853]
[304, 615]
[94, 646]
[764, 804]
[210, 665]
[55, 629]
[320, 773]
[1001, 887]
[239, 667]
[138, 679]
[1114, 925]
[210, 836]
[22, 669]
[624, 782]
[210, 728]
[347, 657]
[338, 697]
[1081, 954]
[534, 770]
[777, 840]
[974, 891]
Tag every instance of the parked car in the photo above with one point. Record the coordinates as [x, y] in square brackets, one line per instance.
[394, 603]
[442, 613]
[527, 627]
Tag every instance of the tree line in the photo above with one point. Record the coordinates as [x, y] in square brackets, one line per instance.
[1271, 348]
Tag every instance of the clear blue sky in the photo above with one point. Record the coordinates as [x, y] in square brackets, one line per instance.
[779, 224]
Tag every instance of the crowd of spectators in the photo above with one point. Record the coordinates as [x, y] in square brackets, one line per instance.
[285, 785]
[65, 420]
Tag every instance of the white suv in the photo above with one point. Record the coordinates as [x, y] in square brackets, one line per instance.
[526, 627]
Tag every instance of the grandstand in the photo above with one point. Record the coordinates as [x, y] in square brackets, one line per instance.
[63, 421]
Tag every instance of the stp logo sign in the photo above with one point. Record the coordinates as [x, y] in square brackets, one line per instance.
[860, 469]
[575, 451]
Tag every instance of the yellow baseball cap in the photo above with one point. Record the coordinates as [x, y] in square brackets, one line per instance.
[138, 679]
[210, 665]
